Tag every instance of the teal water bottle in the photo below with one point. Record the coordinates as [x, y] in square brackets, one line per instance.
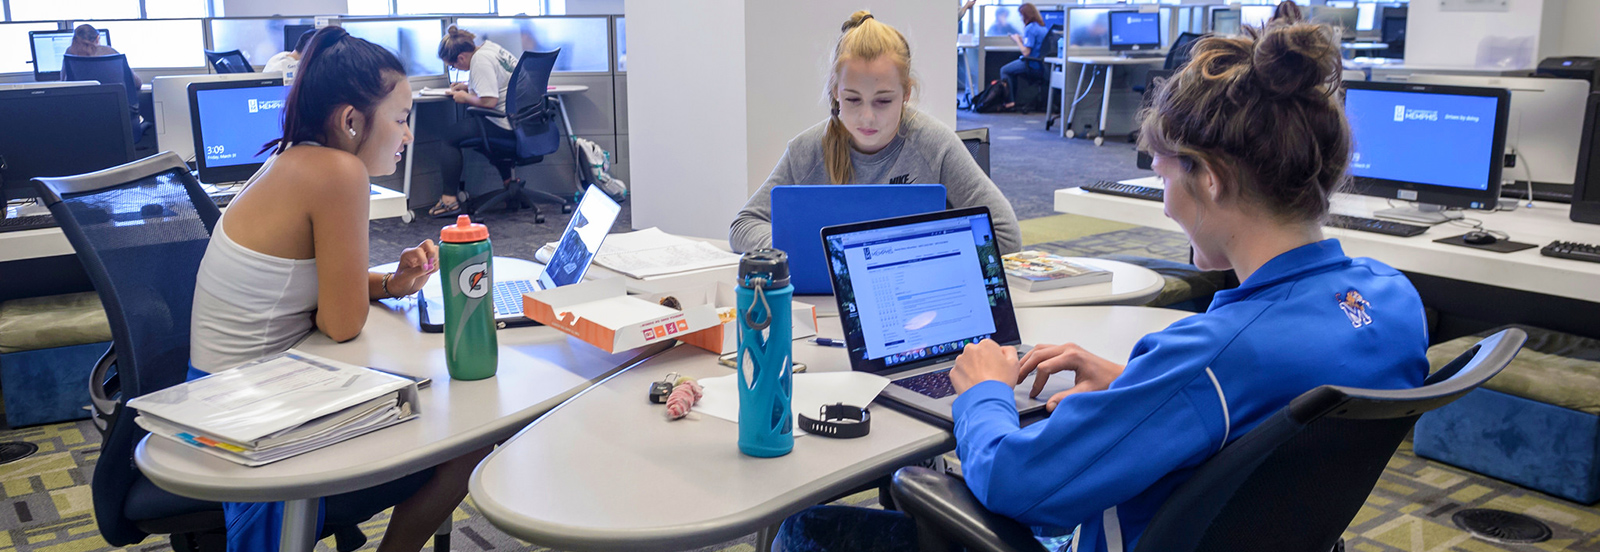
[766, 378]
[470, 348]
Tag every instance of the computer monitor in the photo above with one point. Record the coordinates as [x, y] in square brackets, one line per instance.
[1225, 22]
[1343, 19]
[232, 121]
[1255, 16]
[291, 35]
[1586, 186]
[1393, 26]
[1366, 16]
[1054, 17]
[48, 84]
[1439, 146]
[170, 99]
[61, 131]
[48, 49]
[1135, 30]
[1544, 127]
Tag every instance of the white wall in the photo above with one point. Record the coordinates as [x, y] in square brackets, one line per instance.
[716, 88]
[1579, 36]
[251, 8]
[1444, 38]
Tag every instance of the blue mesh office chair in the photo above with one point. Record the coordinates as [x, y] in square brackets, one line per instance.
[140, 231]
[532, 118]
[110, 69]
[231, 61]
[1291, 484]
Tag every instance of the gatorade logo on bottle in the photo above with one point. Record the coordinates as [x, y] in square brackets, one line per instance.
[473, 281]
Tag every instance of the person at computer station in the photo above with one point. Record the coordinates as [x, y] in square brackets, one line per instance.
[289, 257]
[874, 137]
[286, 62]
[1250, 140]
[1030, 41]
[489, 70]
[86, 42]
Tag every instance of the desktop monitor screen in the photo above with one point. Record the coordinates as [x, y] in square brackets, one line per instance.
[1432, 144]
[1586, 189]
[1225, 22]
[1133, 30]
[1054, 17]
[1544, 126]
[170, 94]
[49, 46]
[69, 130]
[232, 121]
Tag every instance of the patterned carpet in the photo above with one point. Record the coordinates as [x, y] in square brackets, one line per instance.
[45, 503]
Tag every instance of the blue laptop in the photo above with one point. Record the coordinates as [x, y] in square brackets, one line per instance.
[799, 213]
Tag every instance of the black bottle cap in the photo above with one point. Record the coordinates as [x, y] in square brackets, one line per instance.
[771, 264]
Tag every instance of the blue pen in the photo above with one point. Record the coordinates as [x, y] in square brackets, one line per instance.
[825, 342]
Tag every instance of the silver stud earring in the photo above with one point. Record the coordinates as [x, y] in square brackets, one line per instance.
[352, 133]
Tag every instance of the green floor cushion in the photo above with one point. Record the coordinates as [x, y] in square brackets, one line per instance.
[1553, 368]
[54, 321]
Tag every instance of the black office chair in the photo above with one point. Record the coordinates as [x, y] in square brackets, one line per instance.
[1050, 48]
[1292, 484]
[1177, 57]
[532, 117]
[231, 61]
[977, 142]
[145, 276]
[109, 69]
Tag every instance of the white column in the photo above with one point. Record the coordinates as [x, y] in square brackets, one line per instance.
[716, 88]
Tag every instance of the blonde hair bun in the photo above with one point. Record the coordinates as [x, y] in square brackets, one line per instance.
[856, 19]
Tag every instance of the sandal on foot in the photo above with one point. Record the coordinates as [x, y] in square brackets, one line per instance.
[443, 209]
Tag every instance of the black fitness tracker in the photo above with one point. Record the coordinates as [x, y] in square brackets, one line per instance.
[839, 421]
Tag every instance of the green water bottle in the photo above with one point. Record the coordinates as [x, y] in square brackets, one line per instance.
[470, 349]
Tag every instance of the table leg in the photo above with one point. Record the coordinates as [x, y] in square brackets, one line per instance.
[1077, 88]
[572, 142]
[411, 154]
[765, 537]
[1049, 94]
[299, 533]
[1105, 105]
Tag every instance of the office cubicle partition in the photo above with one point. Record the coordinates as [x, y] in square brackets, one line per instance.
[157, 43]
[584, 40]
[415, 40]
[258, 38]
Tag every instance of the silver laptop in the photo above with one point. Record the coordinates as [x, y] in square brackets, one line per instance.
[913, 291]
[587, 230]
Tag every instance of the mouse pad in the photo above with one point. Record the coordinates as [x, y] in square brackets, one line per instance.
[1502, 246]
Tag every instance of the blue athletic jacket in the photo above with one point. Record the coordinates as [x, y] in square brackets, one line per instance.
[1106, 460]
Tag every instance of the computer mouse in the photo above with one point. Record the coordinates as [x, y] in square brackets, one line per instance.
[1476, 237]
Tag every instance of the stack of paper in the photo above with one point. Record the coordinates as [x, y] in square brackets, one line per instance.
[277, 407]
[651, 253]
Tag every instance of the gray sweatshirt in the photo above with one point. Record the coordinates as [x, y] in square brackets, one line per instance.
[924, 152]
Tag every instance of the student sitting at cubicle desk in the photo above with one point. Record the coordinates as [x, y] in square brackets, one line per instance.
[1031, 41]
[873, 137]
[1251, 142]
[287, 62]
[289, 257]
[86, 42]
[489, 70]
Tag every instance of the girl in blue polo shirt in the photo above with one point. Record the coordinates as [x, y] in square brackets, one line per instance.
[1251, 141]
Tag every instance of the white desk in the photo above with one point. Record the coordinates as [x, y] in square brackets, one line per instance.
[1525, 270]
[539, 368]
[1109, 64]
[607, 471]
[50, 242]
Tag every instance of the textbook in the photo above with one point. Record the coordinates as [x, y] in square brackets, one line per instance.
[1039, 271]
[277, 407]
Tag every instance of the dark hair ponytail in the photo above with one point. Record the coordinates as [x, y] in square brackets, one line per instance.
[336, 70]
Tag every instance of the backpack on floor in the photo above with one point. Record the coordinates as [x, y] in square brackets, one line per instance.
[597, 161]
[992, 99]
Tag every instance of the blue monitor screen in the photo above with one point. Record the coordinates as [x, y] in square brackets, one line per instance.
[1439, 139]
[236, 122]
[1134, 28]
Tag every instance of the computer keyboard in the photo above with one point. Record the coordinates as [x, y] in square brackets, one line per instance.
[933, 384]
[508, 296]
[1124, 190]
[1572, 250]
[29, 222]
[1143, 55]
[1375, 225]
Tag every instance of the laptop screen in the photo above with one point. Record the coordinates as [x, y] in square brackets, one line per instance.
[918, 289]
[591, 221]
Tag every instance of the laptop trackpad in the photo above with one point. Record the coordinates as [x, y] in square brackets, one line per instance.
[1059, 381]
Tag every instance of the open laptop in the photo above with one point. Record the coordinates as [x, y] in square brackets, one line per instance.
[913, 291]
[590, 224]
[799, 213]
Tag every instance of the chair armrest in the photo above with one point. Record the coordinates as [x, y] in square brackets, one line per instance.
[486, 112]
[946, 512]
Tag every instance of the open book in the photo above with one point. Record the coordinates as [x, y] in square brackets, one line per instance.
[277, 407]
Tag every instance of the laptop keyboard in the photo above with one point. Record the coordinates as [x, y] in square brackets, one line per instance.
[933, 384]
[508, 296]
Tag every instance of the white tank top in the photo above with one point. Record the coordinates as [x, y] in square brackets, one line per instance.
[248, 304]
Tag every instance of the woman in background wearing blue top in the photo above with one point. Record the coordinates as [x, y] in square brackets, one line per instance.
[1251, 141]
[1031, 41]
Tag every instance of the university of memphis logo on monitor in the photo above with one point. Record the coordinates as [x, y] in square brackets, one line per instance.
[264, 105]
[1403, 114]
[1354, 307]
